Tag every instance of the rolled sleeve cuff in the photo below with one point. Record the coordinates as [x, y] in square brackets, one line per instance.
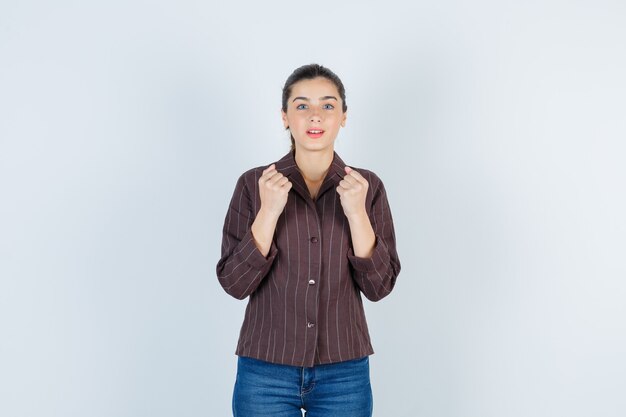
[377, 262]
[253, 256]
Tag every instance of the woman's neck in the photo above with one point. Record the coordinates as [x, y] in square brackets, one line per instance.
[314, 165]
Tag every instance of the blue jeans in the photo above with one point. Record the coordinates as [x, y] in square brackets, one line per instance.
[265, 389]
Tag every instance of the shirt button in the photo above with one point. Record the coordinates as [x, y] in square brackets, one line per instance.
[313, 239]
[309, 325]
[311, 281]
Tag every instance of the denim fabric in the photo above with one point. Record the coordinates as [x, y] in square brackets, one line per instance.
[265, 389]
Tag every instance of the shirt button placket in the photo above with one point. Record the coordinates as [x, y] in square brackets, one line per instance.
[312, 307]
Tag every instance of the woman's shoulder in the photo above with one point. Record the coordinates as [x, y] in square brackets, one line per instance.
[285, 162]
[254, 173]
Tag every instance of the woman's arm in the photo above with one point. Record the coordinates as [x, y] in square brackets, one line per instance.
[273, 192]
[248, 248]
[242, 266]
[373, 255]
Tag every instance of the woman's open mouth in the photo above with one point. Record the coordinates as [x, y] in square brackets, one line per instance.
[315, 133]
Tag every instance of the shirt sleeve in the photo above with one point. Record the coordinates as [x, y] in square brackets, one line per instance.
[376, 275]
[241, 267]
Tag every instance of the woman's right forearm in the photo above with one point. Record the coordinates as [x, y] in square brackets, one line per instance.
[263, 229]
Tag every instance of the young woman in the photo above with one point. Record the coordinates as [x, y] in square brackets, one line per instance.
[303, 238]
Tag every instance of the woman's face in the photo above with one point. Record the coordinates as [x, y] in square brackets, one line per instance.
[314, 114]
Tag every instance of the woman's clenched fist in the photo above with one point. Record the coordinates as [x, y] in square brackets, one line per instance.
[274, 190]
[352, 190]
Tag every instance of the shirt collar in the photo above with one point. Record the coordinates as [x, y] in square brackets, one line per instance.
[288, 167]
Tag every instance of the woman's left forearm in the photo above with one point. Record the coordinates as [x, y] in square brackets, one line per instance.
[363, 237]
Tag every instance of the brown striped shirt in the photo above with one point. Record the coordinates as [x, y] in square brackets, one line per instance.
[305, 304]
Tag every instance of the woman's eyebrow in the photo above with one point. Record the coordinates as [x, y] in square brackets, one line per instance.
[321, 98]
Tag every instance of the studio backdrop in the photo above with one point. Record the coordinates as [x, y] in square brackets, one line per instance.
[497, 127]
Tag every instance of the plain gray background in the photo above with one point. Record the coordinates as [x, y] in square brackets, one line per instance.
[498, 128]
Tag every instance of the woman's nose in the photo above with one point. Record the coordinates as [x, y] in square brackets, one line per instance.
[315, 115]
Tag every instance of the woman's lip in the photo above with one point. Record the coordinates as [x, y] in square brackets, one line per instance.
[318, 133]
[314, 135]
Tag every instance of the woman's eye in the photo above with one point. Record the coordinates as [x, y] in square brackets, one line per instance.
[329, 106]
[301, 106]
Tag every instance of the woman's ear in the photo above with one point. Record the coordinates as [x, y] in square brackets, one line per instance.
[284, 117]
